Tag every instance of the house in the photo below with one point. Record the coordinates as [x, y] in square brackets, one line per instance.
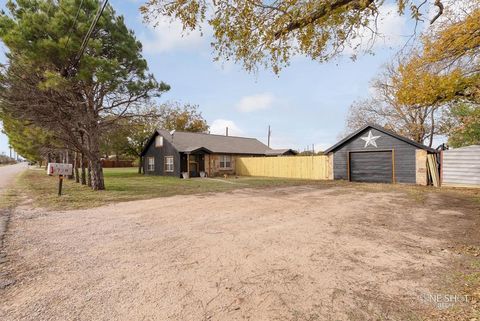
[374, 154]
[173, 153]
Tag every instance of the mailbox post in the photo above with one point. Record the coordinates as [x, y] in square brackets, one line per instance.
[60, 170]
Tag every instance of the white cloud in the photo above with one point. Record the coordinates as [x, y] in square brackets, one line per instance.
[255, 102]
[169, 36]
[219, 126]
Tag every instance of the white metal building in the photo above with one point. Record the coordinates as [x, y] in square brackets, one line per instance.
[461, 166]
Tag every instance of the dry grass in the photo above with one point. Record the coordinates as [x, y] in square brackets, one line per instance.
[125, 184]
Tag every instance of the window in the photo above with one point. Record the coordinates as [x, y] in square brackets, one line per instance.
[158, 141]
[168, 163]
[150, 164]
[225, 161]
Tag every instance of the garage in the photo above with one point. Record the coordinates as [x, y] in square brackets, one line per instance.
[371, 166]
[374, 154]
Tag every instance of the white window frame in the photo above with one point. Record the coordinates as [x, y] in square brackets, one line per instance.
[169, 167]
[159, 141]
[150, 164]
[224, 159]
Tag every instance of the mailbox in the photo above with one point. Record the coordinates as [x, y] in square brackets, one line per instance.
[59, 169]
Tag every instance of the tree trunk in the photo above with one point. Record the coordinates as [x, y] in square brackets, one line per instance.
[89, 175]
[83, 179]
[432, 128]
[70, 161]
[94, 160]
[95, 165]
[76, 161]
[140, 165]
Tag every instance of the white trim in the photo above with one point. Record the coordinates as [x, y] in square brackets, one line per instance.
[150, 165]
[223, 159]
[159, 141]
[168, 164]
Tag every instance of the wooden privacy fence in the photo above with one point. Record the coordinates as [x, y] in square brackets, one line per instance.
[304, 167]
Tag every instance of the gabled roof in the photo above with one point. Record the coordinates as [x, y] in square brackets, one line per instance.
[187, 142]
[380, 129]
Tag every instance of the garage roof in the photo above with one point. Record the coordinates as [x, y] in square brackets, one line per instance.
[380, 129]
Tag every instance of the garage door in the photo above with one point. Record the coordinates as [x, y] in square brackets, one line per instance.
[371, 166]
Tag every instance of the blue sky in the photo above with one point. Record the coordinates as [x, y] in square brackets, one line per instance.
[306, 104]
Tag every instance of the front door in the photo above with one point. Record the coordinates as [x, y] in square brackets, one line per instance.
[193, 168]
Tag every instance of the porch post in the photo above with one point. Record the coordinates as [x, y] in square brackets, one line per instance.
[188, 164]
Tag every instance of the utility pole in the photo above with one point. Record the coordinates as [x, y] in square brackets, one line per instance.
[269, 135]
[226, 131]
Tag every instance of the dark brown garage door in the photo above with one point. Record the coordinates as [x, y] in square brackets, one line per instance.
[371, 166]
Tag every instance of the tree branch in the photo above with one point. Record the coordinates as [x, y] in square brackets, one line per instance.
[322, 10]
[438, 4]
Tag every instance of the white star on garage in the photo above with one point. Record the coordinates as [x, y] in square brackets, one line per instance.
[370, 139]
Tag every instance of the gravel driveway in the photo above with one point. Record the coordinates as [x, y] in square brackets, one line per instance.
[297, 253]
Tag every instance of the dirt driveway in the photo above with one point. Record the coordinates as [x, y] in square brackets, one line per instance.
[301, 253]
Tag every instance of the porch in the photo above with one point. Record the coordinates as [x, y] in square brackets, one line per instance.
[202, 160]
[195, 162]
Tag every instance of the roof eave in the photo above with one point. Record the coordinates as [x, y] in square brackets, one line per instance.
[383, 130]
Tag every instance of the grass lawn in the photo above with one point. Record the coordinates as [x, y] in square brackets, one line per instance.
[124, 184]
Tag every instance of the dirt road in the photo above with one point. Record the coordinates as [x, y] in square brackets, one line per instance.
[285, 254]
[8, 172]
[7, 175]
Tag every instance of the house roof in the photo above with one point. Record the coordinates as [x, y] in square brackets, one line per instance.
[279, 152]
[188, 142]
[380, 129]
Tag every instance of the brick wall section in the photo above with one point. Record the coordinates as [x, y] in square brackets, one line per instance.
[212, 165]
[330, 166]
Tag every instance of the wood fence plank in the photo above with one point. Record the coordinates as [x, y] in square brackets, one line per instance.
[304, 167]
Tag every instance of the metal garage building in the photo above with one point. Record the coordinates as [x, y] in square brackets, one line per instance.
[461, 166]
[373, 154]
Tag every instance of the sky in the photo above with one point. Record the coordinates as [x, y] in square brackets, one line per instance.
[305, 105]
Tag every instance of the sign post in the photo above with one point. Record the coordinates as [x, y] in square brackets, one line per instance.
[60, 170]
[60, 183]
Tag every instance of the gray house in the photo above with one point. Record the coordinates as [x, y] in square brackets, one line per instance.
[173, 153]
[374, 154]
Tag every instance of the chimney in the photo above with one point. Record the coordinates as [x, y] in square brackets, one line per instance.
[226, 131]
[269, 134]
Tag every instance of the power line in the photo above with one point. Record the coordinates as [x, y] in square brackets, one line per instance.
[83, 47]
[74, 23]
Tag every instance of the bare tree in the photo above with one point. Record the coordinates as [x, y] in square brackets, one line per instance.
[419, 123]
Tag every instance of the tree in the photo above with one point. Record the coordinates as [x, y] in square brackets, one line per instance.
[435, 89]
[462, 125]
[446, 67]
[133, 134]
[30, 141]
[46, 84]
[417, 122]
[174, 116]
[114, 140]
[269, 33]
